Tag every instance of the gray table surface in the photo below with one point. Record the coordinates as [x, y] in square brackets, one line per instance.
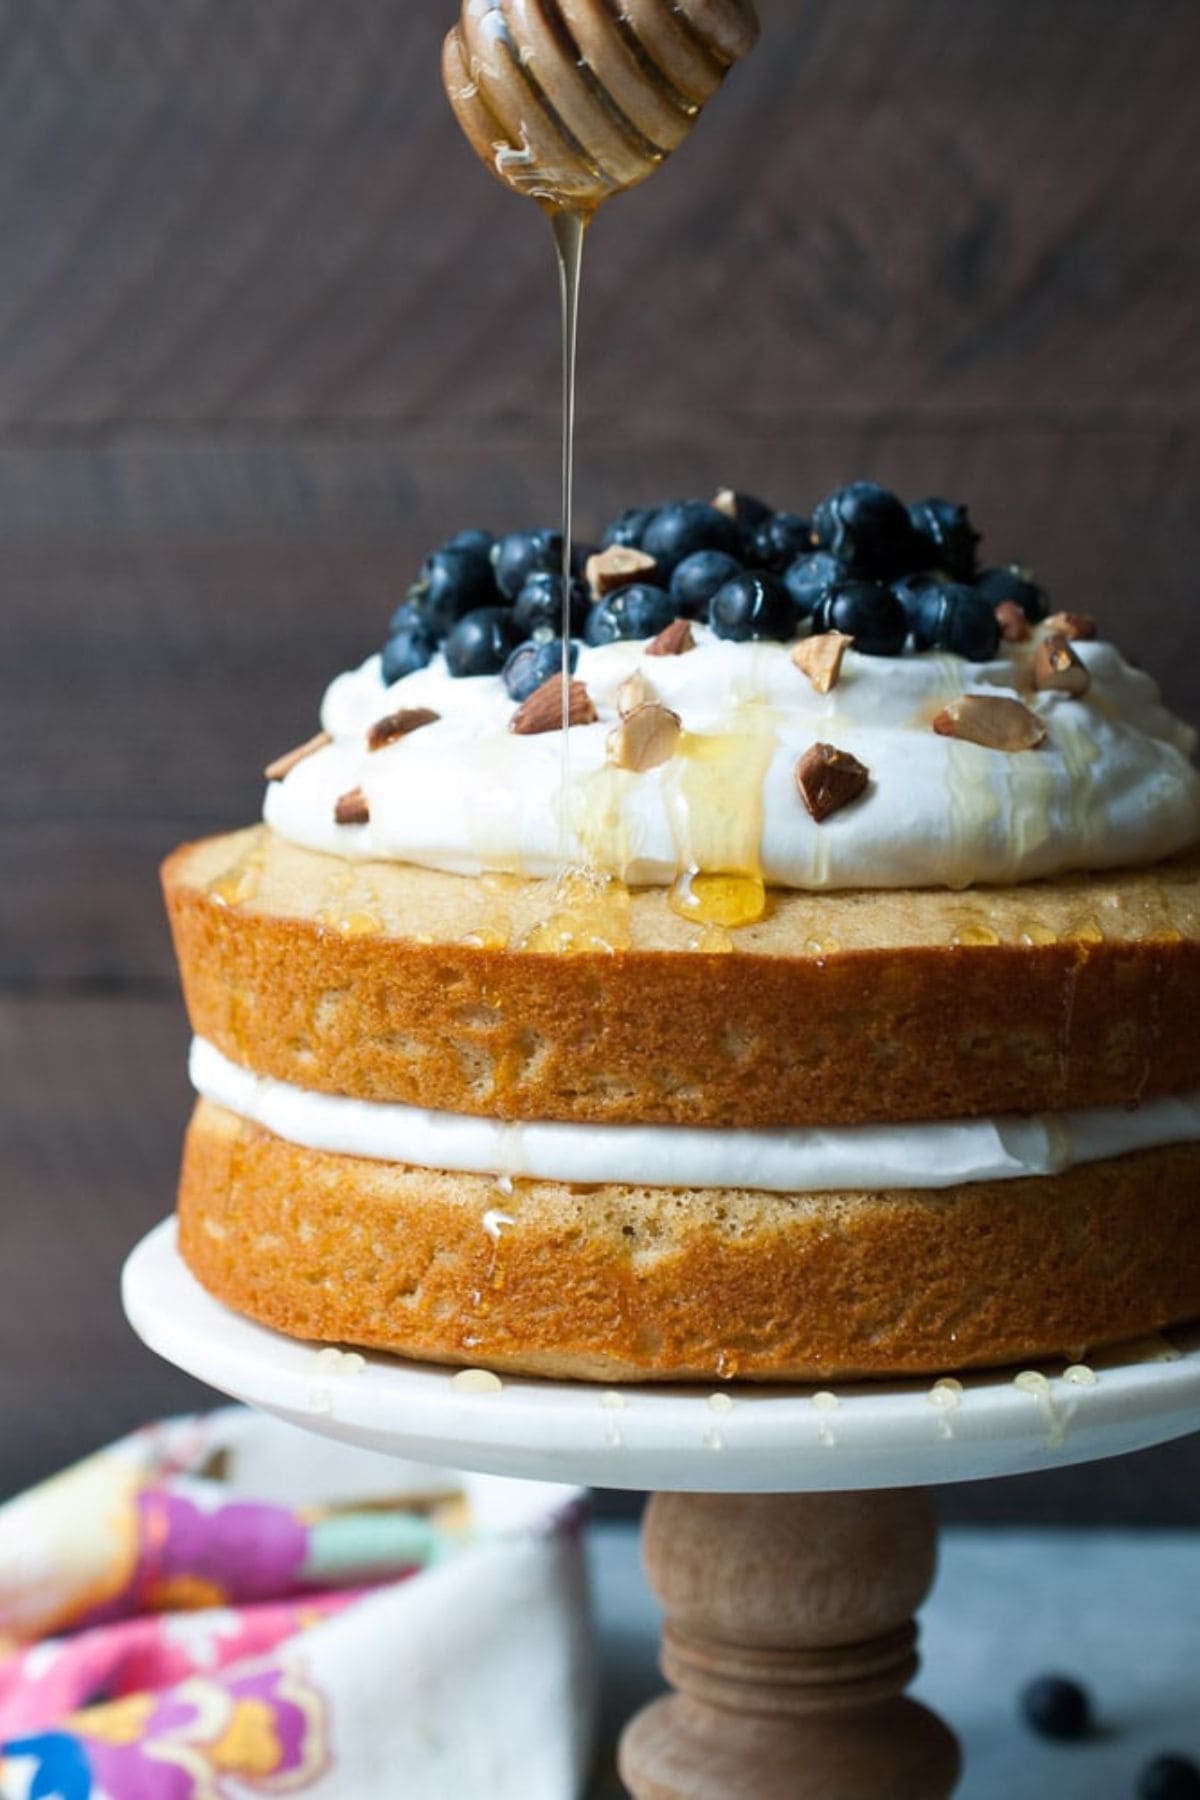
[1119, 1610]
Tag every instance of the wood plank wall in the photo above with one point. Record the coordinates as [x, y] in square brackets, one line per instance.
[267, 333]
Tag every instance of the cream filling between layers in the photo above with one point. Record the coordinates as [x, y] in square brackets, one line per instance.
[849, 1158]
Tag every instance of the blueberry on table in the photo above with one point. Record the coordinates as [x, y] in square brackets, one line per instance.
[636, 611]
[451, 584]
[481, 643]
[1056, 1707]
[539, 604]
[410, 645]
[809, 578]
[945, 536]
[753, 605]
[697, 578]
[1013, 583]
[1169, 1778]
[685, 526]
[517, 556]
[868, 530]
[867, 612]
[628, 527]
[532, 664]
[778, 541]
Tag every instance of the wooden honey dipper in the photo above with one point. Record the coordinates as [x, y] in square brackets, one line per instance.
[572, 101]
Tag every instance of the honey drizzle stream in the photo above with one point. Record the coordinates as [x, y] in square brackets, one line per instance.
[569, 228]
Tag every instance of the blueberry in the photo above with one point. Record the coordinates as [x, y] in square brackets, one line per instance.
[629, 526]
[1169, 1778]
[579, 557]
[1056, 1707]
[809, 578]
[539, 604]
[636, 611]
[410, 645]
[480, 644]
[868, 612]
[473, 542]
[684, 527]
[953, 617]
[1012, 583]
[911, 589]
[867, 529]
[697, 578]
[517, 556]
[533, 663]
[747, 512]
[451, 584]
[946, 537]
[753, 605]
[778, 541]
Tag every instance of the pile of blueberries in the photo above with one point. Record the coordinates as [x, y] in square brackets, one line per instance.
[887, 574]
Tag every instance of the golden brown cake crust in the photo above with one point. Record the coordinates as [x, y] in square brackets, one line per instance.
[617, 1283]
[391, 982]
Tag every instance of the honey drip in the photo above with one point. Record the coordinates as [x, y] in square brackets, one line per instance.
[588, 914]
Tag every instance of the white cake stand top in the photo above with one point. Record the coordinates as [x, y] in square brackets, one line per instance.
[739, 1439]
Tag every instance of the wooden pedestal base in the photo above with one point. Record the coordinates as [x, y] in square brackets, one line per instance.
[789, 1641]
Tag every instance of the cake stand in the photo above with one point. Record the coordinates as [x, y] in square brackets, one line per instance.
[790, 1538]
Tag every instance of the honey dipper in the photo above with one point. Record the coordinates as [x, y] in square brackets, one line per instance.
[572, 101]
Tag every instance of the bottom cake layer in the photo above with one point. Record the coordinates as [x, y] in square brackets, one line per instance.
[618, 1283]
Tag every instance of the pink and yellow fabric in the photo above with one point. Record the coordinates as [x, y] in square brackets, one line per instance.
[164, 1636]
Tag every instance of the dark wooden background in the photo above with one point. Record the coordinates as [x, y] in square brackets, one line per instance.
[267, 332]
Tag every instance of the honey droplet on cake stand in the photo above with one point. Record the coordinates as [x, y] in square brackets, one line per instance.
[726, 901]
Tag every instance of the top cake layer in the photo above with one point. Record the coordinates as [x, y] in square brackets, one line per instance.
[1110, 785]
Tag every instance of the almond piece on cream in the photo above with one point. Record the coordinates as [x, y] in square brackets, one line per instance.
[992, 721]
[283, 765]
[673, 640]
[633, 692]
[821, 658]
[1072, 625]
[1014, 626]
[828, 779]
[1057, 669]
[646, 737]
[615, 568]
[352, 809]
[543, 711]
[394, 726]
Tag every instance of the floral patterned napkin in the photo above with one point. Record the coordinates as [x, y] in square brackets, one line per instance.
[167, 1635]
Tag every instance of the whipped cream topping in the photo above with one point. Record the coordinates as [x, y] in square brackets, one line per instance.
[849, 1158]
[1113, 784]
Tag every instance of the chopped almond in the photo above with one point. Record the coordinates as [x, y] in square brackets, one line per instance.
[1014, 625]
[543, 711]
[283, 765]
[672, 640]
[725, 501]
[633, 692]
[828, 779]
[645, 738]
[399, 724]
[352, 809]
[1072, 625]
[1057, 669]
[821, 658]
[615, 568]
[992, 721]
